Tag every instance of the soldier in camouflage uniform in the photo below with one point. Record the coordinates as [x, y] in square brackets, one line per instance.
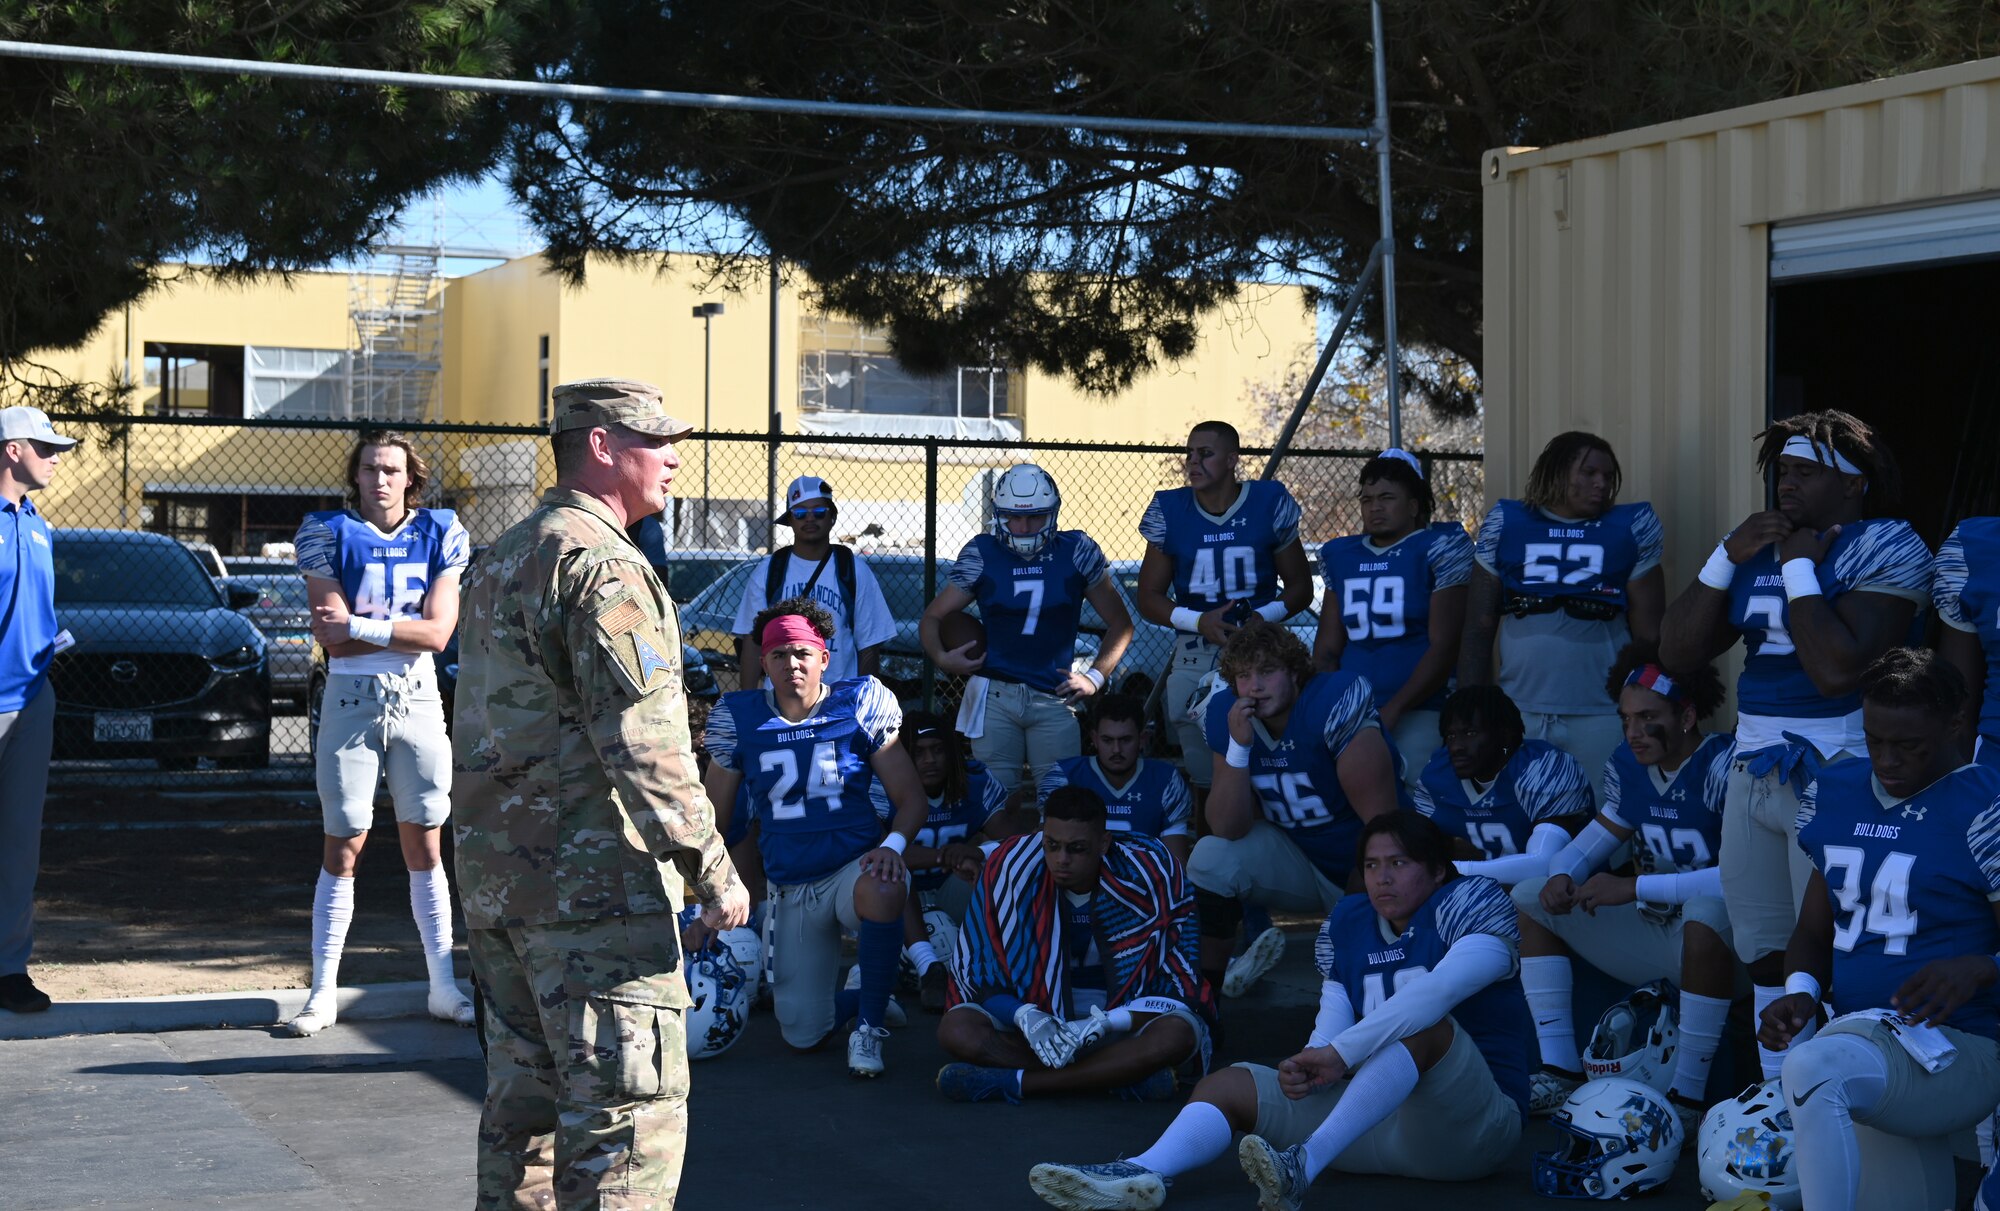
[579, 819]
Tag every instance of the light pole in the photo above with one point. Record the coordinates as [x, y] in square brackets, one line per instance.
[705, 312]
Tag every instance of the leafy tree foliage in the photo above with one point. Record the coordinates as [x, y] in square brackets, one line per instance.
[1096, 256]
[109, 174]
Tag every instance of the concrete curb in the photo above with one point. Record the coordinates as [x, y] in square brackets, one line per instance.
[213, 1010]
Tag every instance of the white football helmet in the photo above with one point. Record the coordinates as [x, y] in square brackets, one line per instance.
[1636, 1038]
[943, 934]
[1623, 1137]
[722, 989]
[1025, 490]
[1746, 1146]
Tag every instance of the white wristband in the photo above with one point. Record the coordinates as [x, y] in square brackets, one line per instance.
[1802, 981]
[1720, 571]
[1238, 755]
[1186, 619]
[896, 841]
[1801, 578]
[377, 631]
[1273, 611]
[1094, 677]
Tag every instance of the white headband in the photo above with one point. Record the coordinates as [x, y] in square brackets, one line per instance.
[1825, 455]
[1404, 456]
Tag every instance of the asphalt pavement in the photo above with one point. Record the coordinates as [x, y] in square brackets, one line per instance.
[381, 1114]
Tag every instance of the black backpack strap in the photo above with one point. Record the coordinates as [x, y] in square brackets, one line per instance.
[843, 570]
[774, 575]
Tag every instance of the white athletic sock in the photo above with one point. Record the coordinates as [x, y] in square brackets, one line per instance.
[1198, 1134]
[1771, 1061]
[1701, 1024]
[333, 912]
[922, 955]
[1383, 1082]
[1839, 1074]
[430, 904]
[1549, 984]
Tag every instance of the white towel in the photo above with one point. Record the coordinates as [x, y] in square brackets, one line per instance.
[972, 708]
[1927, 1045]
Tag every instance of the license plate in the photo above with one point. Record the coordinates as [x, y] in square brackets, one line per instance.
[123, 729]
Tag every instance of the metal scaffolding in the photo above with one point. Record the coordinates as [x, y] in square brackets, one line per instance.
[395, 306]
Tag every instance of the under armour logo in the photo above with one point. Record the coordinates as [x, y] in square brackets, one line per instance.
[1680, 794]
[1912, 812]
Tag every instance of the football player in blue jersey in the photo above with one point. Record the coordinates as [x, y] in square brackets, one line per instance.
[1816, 589]
[1394, 602]
[1508, 802]
[1417, 1064]
[968, 808]
[1566, 577]
[1218, 553]
[808, 751]
[382, 579]
[1899, 929]
[1665, 786]
[1304, 765]
[1965, 589]
[1149, 798]
[1030, 581]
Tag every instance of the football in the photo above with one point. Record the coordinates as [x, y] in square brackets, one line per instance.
[957, 630]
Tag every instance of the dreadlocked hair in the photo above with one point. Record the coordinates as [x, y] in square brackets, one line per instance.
[1851, 436]
[1701, 688]
[920, 725]
[1548, 481]
[1915, 677]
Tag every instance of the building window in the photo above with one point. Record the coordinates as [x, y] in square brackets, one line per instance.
[194, 380]
[307, 384]
[542, 408]
[849, 381]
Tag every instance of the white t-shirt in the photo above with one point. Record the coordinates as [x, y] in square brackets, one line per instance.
[873, 624]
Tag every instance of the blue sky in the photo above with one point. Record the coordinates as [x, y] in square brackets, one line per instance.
[480, 214]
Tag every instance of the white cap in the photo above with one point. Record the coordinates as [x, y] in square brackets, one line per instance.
[31, 423]
[803, 489]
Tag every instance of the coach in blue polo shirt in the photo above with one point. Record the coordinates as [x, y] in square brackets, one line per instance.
[30, 448]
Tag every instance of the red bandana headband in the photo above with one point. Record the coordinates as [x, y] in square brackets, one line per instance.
[1653, 677]
[789, 628]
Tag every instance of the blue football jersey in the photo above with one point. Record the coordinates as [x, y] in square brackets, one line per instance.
[1910, 880]
[1879, 555]
[1030, 607]
[808, 780]
[1539, 555]
[949, 820]
[1154, 802]
[1226, 558]
[1356, 949]
[1297, 775]
[382, 576]
[1385, 600]
[1969, 601]
[1680, 823]
[1539, 784]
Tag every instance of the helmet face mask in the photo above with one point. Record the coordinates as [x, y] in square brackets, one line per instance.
[1637, 1038]
[722, 988]
[1622, 1137]
[1025, 490]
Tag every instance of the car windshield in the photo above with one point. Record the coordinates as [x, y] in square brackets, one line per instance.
[274, 591]
[902, 585]
[95, 571]
[688, 576]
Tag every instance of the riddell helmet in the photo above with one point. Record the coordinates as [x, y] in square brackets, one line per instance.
[942, 933]
[722, 990]
[1636, 1038]
[1025, 490]
[1622, 1137]
[1746, 1147]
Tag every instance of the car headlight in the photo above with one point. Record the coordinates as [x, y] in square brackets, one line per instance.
[238, 659]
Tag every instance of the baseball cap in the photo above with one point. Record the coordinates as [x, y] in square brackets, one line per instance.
[593, 402]
[21, 421]
[803, 489]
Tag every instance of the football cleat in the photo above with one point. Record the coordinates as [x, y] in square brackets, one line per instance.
[450, 1005]
[1117, 1186]
[972, 1083]
[1548, 1090]
[1279, 1175]
[1254, 963]
[864, 1051]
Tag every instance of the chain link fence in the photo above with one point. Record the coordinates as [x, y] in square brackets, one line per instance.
[175, 572]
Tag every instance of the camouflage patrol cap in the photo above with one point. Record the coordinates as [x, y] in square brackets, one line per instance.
[592, 402]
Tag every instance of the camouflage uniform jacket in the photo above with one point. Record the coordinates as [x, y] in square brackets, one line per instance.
[574, 790]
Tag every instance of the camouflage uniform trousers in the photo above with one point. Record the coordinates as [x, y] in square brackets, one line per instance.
[587, 1068]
